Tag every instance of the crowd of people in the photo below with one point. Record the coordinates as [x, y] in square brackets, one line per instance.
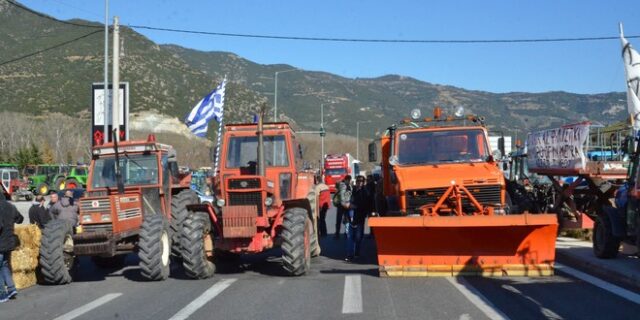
[40, 214]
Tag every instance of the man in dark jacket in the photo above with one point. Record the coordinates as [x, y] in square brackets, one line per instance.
[38, 213]
[9, 215]
[343, 196]
[360, 209]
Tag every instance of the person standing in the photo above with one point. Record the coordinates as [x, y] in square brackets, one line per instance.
[342, 197]
[38, 213]
[9, 216]
[65, 209]
[359, 210]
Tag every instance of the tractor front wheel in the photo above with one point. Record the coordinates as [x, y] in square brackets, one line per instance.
[296, 241]
[56, 252]
[154, 248]
[60, 183]
[179, 213]
[197, 246]
[42, 189]
[605, 244]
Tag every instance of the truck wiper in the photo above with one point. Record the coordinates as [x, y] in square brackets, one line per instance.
[126, 155]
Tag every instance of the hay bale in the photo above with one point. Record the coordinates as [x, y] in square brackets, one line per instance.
[28, 235]
[24, 279]
[25, 259]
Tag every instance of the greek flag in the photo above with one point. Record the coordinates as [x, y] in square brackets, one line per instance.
[210, 107]
[631, 59]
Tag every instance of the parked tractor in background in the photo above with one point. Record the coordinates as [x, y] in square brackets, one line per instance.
[12, 186]
[263, 200]
[135, 200]
[42, 177]
[74, 177]
[447, 208]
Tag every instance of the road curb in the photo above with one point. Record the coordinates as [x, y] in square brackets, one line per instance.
[599, 268]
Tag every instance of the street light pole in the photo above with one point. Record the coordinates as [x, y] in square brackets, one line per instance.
[322, 135]
[106, 110]
[275, 94]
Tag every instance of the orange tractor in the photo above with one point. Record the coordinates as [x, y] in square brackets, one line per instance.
[262, 201]
[447, 211]
[135, 201]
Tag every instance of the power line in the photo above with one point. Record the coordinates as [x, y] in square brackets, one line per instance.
[432, 41]
[332, 39]
[50, 48]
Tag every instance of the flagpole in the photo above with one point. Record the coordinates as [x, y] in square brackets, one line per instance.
[220, 126]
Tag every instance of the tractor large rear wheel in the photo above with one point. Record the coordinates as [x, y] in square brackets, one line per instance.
[296, 241]
[60, 183]
[197, 246]
[605, 244]
[56, 252]
[179, 213]
[72, 183]
[154, 248]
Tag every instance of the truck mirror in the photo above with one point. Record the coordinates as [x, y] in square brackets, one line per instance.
[627, 146]
[501, 145]
[373, 154]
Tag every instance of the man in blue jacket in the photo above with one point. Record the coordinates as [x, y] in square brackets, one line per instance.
[9, 216]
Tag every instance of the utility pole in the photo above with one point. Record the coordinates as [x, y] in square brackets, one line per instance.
[107, 111]
[116, 78]
[322, 134]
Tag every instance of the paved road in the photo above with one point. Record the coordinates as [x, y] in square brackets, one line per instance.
[255, 288]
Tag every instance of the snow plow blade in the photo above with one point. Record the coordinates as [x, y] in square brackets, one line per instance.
[481, 245]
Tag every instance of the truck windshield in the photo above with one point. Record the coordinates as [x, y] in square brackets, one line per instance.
[433, 147]
[243, 151]
[335, 172]
[138, 169]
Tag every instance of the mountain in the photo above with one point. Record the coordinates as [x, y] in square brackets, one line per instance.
[171, 79]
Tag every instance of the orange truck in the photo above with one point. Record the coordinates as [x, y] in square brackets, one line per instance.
[447, 211]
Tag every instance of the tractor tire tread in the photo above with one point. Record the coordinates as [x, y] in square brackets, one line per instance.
[194, 260]
[52, 264]
[150, 248]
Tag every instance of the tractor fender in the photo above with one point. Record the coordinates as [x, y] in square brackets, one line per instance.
[299, 203]
[305, 184]
[617, 218]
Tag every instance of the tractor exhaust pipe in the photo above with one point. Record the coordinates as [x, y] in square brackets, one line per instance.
[261, 160]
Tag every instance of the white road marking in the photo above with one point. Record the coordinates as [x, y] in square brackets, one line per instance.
[546, 312]
[88, 307]
[477, 298]
[621, 292]
[202, 299]
[352, 298]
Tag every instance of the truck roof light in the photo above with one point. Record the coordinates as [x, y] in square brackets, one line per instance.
[415, 114]
[437, 113]
[151, 138]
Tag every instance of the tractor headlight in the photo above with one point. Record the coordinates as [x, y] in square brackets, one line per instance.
[220, 203]
[105, 217]
[86, 218]
[268, 201]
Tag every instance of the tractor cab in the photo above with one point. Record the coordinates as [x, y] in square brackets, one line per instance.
[241, 181]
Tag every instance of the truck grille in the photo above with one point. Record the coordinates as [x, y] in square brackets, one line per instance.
[246, 198]
[244, 184]
[98, 227]
[95, 205]
[129, 213]
[485, 194]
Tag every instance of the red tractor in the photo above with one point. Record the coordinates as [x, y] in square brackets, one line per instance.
[135, 200]
[262, 201]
